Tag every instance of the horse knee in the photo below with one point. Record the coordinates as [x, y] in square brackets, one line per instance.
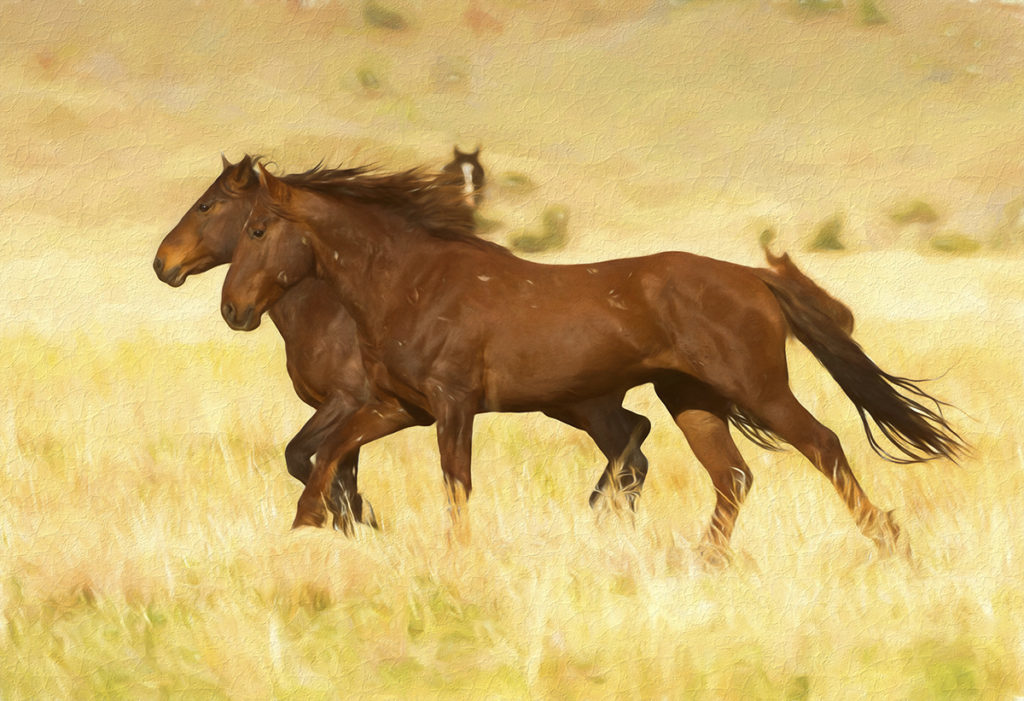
[298, 462]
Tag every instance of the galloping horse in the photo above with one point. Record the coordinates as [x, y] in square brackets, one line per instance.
[450, 326]
[323, 356]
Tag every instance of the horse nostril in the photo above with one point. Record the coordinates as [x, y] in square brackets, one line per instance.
[227, 310]
[158, 265]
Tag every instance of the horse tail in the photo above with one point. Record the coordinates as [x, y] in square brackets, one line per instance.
[810, 292]
[784, 267]
[910, 418]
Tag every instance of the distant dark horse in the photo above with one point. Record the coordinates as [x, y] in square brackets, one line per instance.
[467, 169]
[323, 356]
[451, 326]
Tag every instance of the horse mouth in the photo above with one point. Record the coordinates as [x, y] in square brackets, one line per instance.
[176, 277]
[246, 321]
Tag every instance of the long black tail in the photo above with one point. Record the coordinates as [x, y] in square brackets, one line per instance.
[910, 418]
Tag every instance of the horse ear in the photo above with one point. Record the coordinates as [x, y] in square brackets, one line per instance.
[242, 174]
[226, 163]
[277, 189]
[477, 152]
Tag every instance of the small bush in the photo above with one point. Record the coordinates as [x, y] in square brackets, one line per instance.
[913, 212]
[554, 232]
[954, 242]
[827, 237]
[379, 16]
[819, 5]
[368, 80]
[870, 14]
[513, 183]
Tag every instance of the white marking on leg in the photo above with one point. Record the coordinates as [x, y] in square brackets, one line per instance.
[741, 493]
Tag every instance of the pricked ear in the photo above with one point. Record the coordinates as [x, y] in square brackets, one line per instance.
[224, 160]
[477, 152]
[456, 152]
[241, 174]
[277, 189]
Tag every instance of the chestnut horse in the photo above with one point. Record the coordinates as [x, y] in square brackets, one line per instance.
[450, 326]
[323, 356]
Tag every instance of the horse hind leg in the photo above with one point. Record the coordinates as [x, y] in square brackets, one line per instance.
[702, 416]
[819, 444]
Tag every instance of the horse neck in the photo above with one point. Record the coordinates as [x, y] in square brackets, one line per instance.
[292, 313]
[366, 251]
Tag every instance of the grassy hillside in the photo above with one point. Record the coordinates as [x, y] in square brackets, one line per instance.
[144, 543]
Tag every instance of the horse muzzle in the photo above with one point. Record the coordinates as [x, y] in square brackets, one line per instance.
[175, 277]
[246, 320]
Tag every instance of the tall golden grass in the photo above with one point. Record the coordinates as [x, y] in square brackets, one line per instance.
[144, 548]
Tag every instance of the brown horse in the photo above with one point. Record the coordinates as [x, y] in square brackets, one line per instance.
[466, 168]
[451, 326]
[323, 356]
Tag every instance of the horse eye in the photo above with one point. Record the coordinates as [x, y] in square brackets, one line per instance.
[204, 207]
[257, 233]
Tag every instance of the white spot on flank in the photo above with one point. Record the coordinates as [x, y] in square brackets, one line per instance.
[592, 271]
[483, 278]
[335, 255]
[282, 278]
[305, 241]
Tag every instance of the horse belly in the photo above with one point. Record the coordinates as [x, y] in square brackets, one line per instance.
[540, 369]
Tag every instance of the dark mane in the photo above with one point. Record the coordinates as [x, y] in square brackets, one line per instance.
[433, 202]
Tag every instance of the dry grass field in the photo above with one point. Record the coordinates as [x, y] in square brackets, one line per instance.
[144, 541]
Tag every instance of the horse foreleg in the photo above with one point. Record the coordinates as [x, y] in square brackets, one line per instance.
[368, 423]
[327, 419]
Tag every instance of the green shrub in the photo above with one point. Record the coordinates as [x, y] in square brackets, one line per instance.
[368, 80]
[513, 183]
[377, 15]
[913, 212]
[954, 242]
[870, 14]
[827, 236]
[553, 235]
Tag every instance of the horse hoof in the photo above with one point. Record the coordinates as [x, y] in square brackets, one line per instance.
[369, 516]
[343, 522]
[714, 557]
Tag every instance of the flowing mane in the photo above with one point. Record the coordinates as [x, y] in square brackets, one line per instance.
[433, 202]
